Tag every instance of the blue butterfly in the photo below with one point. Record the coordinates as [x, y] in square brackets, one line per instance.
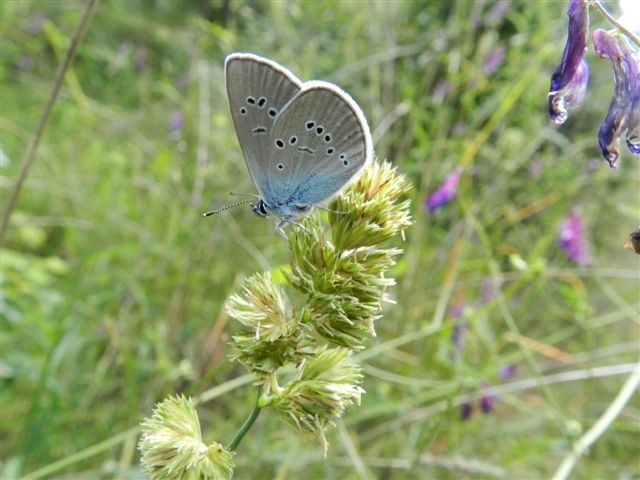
[303, 142]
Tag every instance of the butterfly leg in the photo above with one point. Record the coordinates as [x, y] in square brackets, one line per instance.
[282, 221]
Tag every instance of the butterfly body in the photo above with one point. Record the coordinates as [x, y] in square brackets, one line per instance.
[302, 141]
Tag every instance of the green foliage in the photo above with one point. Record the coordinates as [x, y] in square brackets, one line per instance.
[113, 285]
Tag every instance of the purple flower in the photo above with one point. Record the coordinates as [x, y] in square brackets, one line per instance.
[456, 309]
[457, 338]
[466, 411]
[624, 111]
[487, 400]
[571, 239]
[445, 193]
[493, 62]
[570, 79]
[508, 371]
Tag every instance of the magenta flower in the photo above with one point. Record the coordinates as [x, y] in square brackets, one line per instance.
[571, 239]
[570, 79]
[624, 111]
[445, 193]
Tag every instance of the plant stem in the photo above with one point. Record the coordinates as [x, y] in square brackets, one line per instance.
[598, 6]
[601, 426]
[90, 452]
[35, 141]
[247, 424]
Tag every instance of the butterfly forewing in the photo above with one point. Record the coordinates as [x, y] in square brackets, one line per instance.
[320, 141]
[257, 89]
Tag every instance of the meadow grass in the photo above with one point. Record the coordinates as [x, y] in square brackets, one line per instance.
[113, 286]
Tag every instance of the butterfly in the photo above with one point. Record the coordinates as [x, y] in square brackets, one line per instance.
[303, 142]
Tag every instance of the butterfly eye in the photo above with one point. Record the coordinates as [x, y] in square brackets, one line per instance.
[261, 102]
[330, 150]
[280, 166]
[293, 140]
[309, 125]
[319, 130]
[344, 160]
[251, 100]
[243, 111]
[279, 143]
[327, 138]
[272, 112]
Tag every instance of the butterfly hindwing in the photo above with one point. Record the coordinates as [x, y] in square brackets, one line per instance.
[319, 142]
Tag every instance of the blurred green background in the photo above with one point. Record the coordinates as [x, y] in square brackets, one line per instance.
[113, 284]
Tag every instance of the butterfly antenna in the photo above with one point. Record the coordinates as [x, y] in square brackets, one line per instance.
[213, 212]
[244, 194]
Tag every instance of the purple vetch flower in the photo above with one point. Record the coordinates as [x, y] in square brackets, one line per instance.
[488, 399]
[489, 396]
[457, 338]
[466, 411]
[571, 239]
[624, 111]
[508, 371]
[570, 79]
[493, 61]
[445, 193]
[486, 403]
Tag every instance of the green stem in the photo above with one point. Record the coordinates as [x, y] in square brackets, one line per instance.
[598, 6]
[92, 452]
[247, 424]
[44, 119]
